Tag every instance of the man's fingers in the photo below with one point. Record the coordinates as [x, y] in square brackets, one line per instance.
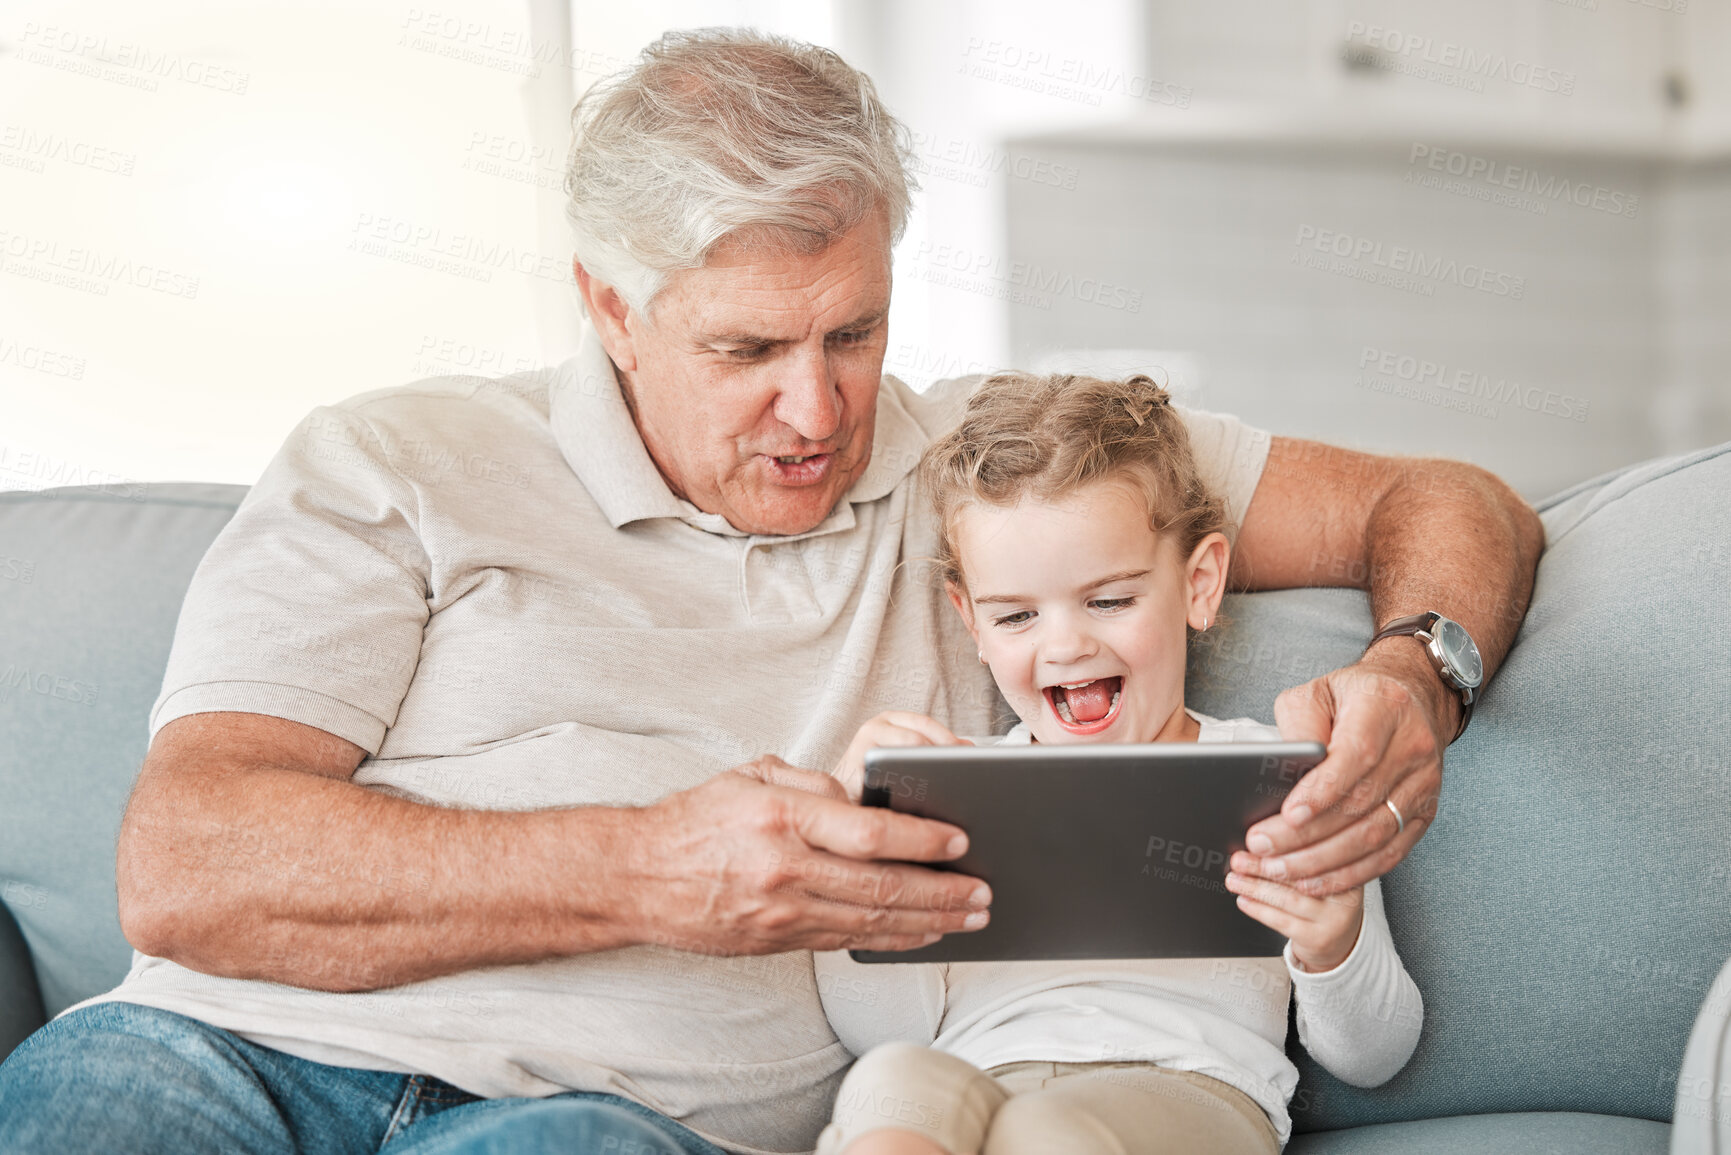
[768, 768]
[1365, 849]
[840, 940]
[1276, 835]
[1306, 713]
[1357, 747]
[1374, 865]
[879, 897]
[874, 832]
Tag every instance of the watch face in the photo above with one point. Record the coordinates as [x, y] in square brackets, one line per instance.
[1460, 652]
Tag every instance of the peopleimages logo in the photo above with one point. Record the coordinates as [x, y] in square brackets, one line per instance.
[1067, 77]
[134, 65]
[1536, 184]
[1020, 281]
[1406, 48]
[1368, 260]
[87, 269]
[1464, 389]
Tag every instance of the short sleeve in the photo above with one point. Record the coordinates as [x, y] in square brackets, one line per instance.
[310, 603]
[1230, 456]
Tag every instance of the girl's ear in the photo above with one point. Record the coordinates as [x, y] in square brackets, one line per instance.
[1205, 580]
[959, 599]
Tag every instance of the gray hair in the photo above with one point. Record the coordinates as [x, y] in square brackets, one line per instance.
[722, 132]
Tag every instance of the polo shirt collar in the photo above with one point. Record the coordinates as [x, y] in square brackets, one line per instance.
[599, 440]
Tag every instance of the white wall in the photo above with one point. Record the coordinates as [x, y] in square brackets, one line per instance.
[1219, 245]
[259, 151]
[1212, 213]
[203, 185]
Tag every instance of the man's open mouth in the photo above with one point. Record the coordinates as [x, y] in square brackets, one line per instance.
[1086, 705]
[801, 469]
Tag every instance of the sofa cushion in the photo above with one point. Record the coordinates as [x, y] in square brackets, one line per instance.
[1533, 1133]
[91, 581]
[1567, 913]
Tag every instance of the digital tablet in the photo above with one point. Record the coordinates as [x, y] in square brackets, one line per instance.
[1095, 851]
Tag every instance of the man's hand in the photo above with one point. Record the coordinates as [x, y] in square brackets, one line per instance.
[1416, 534]
[770, 858]
[1385, 722]
[247, 852]
[890, 728]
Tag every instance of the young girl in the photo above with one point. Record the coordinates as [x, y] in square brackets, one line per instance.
[1080, 547]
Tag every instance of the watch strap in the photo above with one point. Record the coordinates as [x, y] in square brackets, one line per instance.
[1411, 624]
[1422, 623]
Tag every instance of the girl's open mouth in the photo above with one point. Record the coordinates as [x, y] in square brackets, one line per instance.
[1086, 707]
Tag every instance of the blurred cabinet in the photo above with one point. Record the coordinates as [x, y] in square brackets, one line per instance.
[1603, 75]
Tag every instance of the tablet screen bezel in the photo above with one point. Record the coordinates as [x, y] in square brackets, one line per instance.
[1095, 851]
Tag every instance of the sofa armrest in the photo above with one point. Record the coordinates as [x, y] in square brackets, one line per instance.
[20, 998]
[1701, 1119]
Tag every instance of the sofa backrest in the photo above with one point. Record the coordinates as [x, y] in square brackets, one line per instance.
[1563, 919]
[91, 581]
[1567, 914]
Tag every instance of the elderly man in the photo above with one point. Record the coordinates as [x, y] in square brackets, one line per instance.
[484, 807]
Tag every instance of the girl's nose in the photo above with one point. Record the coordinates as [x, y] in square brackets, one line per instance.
[1067, 641]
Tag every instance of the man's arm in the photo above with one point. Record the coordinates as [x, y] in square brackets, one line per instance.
[247, 852]
[1418, 534]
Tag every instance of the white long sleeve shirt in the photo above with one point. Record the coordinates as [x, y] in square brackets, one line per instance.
[1222, 1017]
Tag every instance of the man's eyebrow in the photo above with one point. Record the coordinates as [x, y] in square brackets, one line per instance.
[743, 338]
[1120, 576]
[864, 322]
[737, 339]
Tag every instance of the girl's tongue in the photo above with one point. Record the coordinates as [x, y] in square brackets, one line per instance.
[1089, 703]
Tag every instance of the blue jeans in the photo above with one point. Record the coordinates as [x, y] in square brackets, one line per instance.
[124, 1078]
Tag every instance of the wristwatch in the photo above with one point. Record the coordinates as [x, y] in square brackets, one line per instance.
[1452, 651]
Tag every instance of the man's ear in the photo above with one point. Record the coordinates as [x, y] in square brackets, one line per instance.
[959, 599]
[1205, 579]
[608, 311]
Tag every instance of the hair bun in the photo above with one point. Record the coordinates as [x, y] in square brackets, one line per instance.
[1157, 392]
[1150, 396]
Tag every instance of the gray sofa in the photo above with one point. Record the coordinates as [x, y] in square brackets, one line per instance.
[1565, 919]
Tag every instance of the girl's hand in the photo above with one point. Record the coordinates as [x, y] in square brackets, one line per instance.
[1323, 930]
[891, 728]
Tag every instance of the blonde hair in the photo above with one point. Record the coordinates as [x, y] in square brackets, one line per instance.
[1046, 437]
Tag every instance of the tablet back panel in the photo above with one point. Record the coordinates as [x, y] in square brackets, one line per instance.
[1109, 851]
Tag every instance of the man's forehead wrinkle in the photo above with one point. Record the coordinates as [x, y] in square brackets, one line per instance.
[768, 312]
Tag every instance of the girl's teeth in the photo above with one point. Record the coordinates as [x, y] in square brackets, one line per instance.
[1063, 706]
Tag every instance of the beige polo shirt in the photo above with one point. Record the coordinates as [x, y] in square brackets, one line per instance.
[488, 586]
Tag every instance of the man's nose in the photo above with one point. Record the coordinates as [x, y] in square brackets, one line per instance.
[809, 401]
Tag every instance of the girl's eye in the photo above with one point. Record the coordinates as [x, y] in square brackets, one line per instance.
[1113, 603]
[1014, 619]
